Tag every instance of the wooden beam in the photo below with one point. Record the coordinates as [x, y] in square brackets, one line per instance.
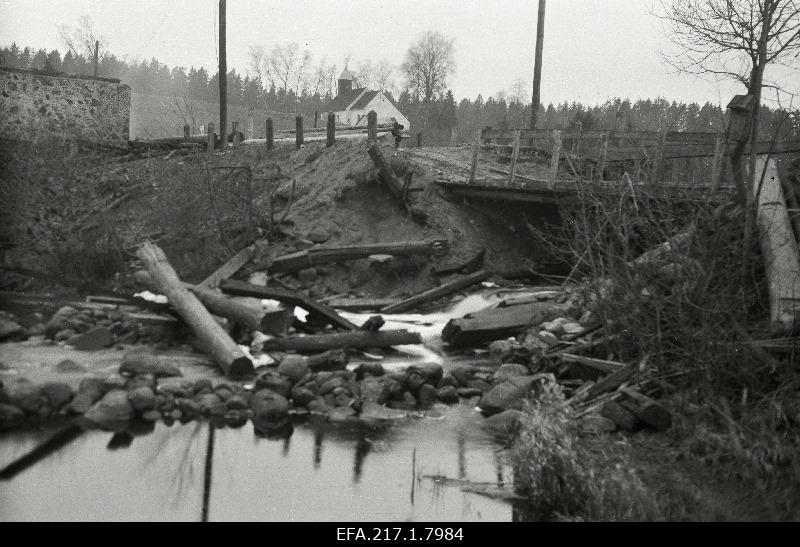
[514, 156]
[476, 150]
[223, 349]
[362, 339]
[228, 269]
[438, 292]
[315, 309]
[556, 156]
[331, 140]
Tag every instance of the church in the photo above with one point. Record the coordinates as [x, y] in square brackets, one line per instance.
[351, 106]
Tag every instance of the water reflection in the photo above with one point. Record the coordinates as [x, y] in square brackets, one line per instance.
[198, 472]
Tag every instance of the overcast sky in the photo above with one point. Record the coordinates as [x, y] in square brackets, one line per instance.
[594, 49]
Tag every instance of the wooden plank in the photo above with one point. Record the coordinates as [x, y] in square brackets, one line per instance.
[325, 255]
[223, 349]
[361, 304]
[476, 150]
[438, 292]
[299, 131]
[315, 309]
[362, 339]
[514, 156]
[233, 265]
[495, 324]
[778, 248]
[689, 137]
[556, 156]
[600, 364]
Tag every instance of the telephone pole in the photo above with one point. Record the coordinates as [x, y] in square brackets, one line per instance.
[537, 67]
[223, 78]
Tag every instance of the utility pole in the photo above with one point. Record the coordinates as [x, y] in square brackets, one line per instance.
[96, 56]
[537, 67]
[223, 78]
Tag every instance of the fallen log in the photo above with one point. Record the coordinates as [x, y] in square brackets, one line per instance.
[315, 309]
[356, 340]
[325, 255]
[778, 248]
[438, 292]
[253, 318]
[398, 187]
[598, 364]
[361, 304]
[613, 380]
[497, 323]
[223, 349]
[471, 266]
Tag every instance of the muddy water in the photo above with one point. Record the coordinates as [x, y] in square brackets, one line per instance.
[317, 471]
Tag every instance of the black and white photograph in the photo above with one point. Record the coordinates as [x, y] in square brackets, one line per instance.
[403, 269]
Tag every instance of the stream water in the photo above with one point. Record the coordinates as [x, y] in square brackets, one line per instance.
[315, 471]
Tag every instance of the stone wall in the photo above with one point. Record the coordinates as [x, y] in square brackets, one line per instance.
[34, 104]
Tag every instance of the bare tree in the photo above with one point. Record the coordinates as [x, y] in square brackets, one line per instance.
[376, 76]
[519, 91]
[736, 39]
[428, 64]
[81, 40]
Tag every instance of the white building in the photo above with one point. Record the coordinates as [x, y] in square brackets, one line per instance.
[351, 106]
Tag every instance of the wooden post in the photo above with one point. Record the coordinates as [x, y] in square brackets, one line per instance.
[514, 156]
[211, 142]
[299, 131]
[603, 154]
[778, 248]
[555, 157]
[331, 129]
[270, 135]
[251, 130]
[222, 76]
[316, 117]
[225, 351]
[419, 139]
[186, 132]
[537, 67]
[235, 130]
[476, 149]
[96, 56]
[716, 162]
[372, 126]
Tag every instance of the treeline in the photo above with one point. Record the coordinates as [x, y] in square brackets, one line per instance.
[155, 78]
[442, 120]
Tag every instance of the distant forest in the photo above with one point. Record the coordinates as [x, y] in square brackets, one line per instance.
[441, 120]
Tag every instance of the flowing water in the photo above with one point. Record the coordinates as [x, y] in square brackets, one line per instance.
[313, 471]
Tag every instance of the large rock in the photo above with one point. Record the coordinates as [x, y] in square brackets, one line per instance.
[426, 396]
[371, 369]
[508, 371]
[373, 412]
[142, 398]
[448, 395]
[110, 411]
[374, 390]
[329, 385]
[238, 401]
[302, 396]
[432, 372]
[414, 381]
[211, 405]
[57, 394]
[268, 406]
[24, 395]
[508, 394]
[274, 382]
[505, 425]
[463, 374]
[10, 416]
[89, 392]
[92, 340]
[137, 362]
[10, 330]
[68, 366]
[293, 367]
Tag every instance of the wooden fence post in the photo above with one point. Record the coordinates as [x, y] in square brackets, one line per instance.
[270, 135]
[251, 130]
[331, 129]
[514, 155]
[211, 142]
[186, 132]
[372, 126]
[603, 154]
[316, 117]
[419, 139]
[476, 149]
[298, 137]
[235, 129]
[716, 162]
[555, 157]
